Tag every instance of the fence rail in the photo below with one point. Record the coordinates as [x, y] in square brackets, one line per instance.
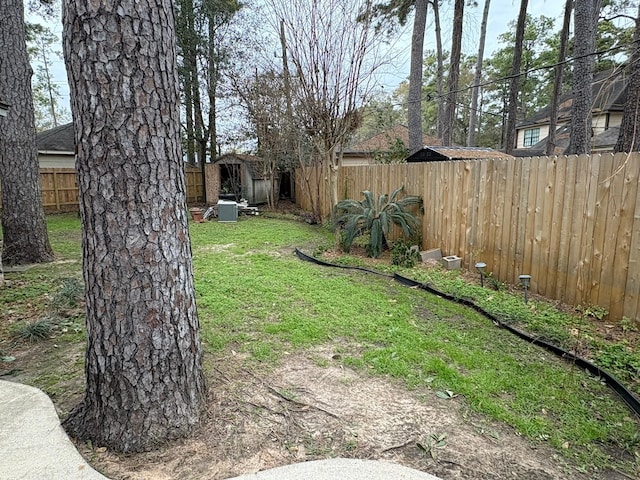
[572, 223]
[60, 188]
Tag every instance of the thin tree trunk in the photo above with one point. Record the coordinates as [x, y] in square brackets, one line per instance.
[414, 109]
[581, 128]
[454, 73]
[286, 75]
[514, 87]
[212, 91]
[557, 81]
[49, 84]
[143, 364]
[629, 138]
[188, 107]
[473, 114]
[186, 37]
[440, 69]
[24, 229]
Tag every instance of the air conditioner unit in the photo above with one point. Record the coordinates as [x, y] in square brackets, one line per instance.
[227, 211]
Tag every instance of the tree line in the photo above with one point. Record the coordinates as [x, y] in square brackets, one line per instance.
[306, 99]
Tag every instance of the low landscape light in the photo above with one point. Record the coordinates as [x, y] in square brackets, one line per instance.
[481, 266]
[525, 281]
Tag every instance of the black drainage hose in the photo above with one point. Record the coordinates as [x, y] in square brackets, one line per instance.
[612, 381]
[308, 258]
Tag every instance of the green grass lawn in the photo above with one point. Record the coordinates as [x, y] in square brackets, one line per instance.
[256, 297]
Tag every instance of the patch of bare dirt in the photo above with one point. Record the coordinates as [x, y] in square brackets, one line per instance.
[312, 408]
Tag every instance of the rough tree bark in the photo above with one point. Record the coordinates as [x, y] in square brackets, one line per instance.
[143, 366]
[629, 138]
[440, 68]
[414, 109]
[557, 81]
[584, 47]
[24, 230]
[454, 74]
[514, 84]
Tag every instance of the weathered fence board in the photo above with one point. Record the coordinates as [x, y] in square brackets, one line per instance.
[573, 223]
[60, 189]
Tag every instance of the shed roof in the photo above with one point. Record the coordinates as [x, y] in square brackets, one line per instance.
[238, 156]
[254, 163]
[436, 153]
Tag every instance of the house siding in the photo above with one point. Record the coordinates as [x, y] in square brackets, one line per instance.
[544, 133]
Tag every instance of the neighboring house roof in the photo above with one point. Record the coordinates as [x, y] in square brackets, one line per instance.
[4, 108]
[609, 93]
[606, 140]
[438, 153]
[382, 141]
[58, 139]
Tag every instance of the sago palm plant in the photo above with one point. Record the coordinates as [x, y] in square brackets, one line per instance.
[375, 217]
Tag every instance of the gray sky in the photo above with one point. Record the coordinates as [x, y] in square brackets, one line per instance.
[500, 14]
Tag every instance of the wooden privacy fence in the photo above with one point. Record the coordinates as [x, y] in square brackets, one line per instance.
[572, 223]
[60, 189]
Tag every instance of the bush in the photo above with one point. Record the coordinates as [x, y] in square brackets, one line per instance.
[404, 254]
[374, 217]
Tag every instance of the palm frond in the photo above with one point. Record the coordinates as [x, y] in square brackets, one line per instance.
[376, 216]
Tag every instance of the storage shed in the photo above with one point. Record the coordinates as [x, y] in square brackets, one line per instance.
[235, 176]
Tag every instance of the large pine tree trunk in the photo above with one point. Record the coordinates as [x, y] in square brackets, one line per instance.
[454, 74]
[414, 109]
[24, 229]
[514, 84]
[584, 41]
[144, 376]
[629, 138]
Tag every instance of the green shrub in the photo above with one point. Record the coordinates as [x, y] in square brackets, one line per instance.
[494, 283]
[620, 360]
[374, 217]
[404, 254]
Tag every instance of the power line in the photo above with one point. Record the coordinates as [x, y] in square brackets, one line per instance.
[433, 96]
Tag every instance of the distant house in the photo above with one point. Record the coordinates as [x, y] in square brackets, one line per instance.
[438, 153]
[365, 152]
[4, 109]
[609, 97]
[56, 147]
[236, 176]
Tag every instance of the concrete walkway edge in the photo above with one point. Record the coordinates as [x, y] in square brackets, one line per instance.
[32, 442]
[33, 445]
[339, 469]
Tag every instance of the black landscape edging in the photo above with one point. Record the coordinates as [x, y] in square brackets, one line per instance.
[612, 381]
